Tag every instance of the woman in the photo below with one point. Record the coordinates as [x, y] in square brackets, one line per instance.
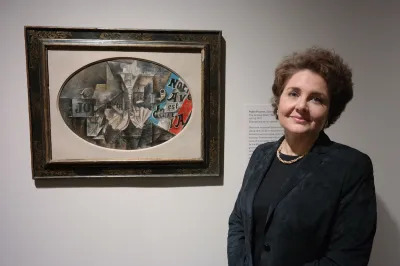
[306, 200]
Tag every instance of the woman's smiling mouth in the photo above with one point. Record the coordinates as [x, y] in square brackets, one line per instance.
[299, 119]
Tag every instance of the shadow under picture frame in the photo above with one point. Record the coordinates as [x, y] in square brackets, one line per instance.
[123, 103]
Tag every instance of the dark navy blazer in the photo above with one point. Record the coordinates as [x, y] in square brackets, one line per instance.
[325, 214]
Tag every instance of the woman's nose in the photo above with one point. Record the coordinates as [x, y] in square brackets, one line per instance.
[301, 105]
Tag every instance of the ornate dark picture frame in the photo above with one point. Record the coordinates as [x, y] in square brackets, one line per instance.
[104, 142]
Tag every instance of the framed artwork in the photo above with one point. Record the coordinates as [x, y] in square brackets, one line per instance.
[125, 103]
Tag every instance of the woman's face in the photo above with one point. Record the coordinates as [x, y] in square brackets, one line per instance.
[304, 104]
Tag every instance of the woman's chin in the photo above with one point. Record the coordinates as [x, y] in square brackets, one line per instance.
[300, 130]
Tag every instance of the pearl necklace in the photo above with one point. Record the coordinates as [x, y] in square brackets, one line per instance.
[278, 155]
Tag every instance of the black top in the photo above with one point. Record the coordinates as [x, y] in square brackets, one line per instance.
[269, 188]
[324, 213]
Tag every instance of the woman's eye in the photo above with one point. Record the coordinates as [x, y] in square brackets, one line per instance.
[317, 99]
[292, 93]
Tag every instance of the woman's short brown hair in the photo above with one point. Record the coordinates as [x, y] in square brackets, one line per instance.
[329, 66]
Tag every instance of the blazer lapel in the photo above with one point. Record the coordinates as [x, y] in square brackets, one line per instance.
[259, 170]
[306, 167]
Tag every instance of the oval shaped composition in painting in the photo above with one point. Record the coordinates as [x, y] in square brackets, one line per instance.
[125, 103]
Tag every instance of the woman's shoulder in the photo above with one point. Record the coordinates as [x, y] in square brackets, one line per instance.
[267, 145]
[355, 165]
[264, 148]
[354, 162]
[338, 151]
[348, 154]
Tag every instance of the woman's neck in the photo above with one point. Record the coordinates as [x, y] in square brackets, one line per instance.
[297, 144]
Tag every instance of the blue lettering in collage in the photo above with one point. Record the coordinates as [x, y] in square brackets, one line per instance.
[168, 90]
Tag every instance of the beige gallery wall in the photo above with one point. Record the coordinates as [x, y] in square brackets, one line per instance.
[175, 225]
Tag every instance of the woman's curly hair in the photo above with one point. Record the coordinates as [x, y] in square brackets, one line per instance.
[329, 66]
